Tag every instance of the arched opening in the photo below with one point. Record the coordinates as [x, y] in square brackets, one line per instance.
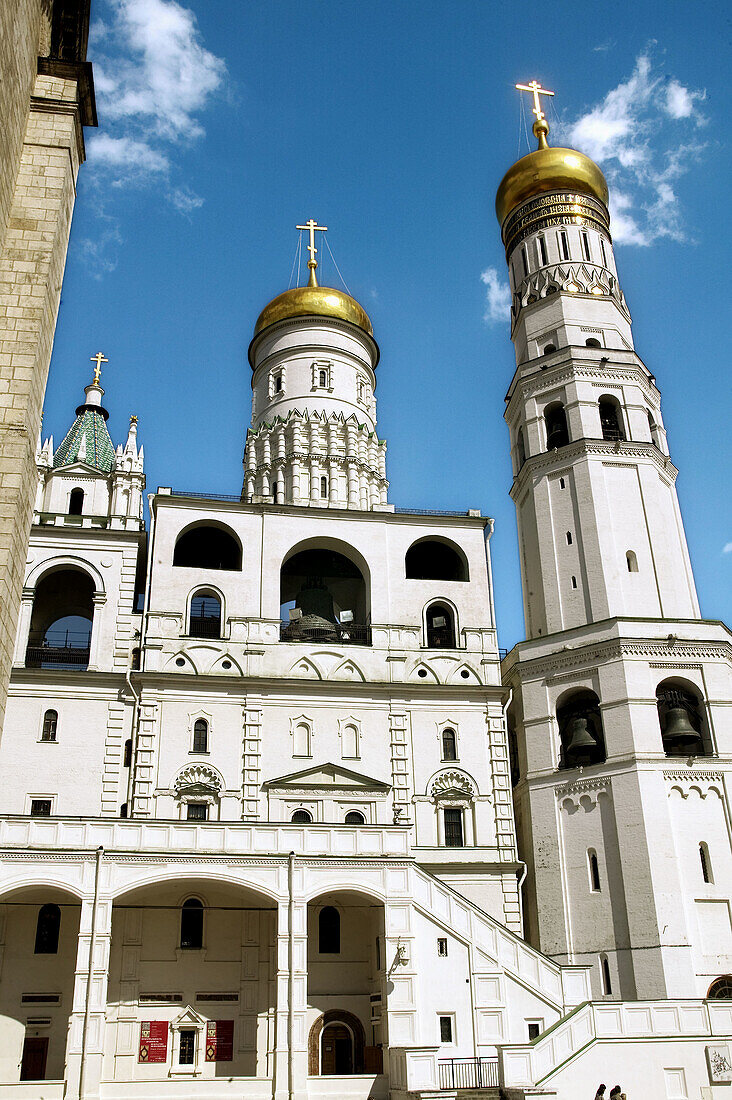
[301, 817]
[653, 430]
[555, 421]
[200, 735]
[208, 546]
[50, 726]
[350, 748]
[611, 421]
[336, 1046]
[76, 502]
[324, 488]
[594, 870]
[592, 342]
[191, 925]
[205, 617]
[48, 927]
[337, 1049]
[323, 598]
[549, 348]
[706, 863]
[514, 762]
[680, 718]
[435, 560]
[720, 989]
[329, 931]
[449, 744]
[520, 448]
[580, 730]
[631, 561]
[607, 985]
[127, 758]
[61, 621]
[440, 623]
[354, 817]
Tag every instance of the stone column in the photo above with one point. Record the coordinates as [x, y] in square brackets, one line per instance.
[24, 621]
[85, 1044]
[98, 600]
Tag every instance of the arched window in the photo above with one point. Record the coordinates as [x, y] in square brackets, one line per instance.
[610, 419]
[329, 931]
[631, 561]
[200, 735]
[440, 627]
[205, 620]
[127, 758]
[520, 448]
[594, 870]
[607, 985]
[301, 739]
[680, 720]
[580, 729]
[569, 538]
[76, 502]
[454, 832]
[720, 989]
[323, 378]
[349, 742]
[324, 487]
[449, 744]
[324, 598]
[706, 863]
[61, 621]
[513, 752]
[208, 547]
[50, 725]
[434, 560]
[592, 342]
[653, 429]
[549, 348]
[301, 817]
[48, 927]
[555, 420]
[191, 924]
[135, 659]
[355, 817]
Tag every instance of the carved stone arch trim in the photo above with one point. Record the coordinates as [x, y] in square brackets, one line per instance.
[452, 785]
[199, 783]
[335, 1016]
[65, 561]
[196, 590]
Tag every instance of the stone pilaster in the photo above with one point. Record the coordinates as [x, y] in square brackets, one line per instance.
[144, 761]
[401, 765]
[88, 1016]
[251, 757]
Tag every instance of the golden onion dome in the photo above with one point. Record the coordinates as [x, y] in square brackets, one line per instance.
[548, 169]
[313, 301]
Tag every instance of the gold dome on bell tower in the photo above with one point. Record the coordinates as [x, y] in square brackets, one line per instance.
[547, 169]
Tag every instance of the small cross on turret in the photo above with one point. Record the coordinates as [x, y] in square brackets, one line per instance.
[98, 359]
[312, 226]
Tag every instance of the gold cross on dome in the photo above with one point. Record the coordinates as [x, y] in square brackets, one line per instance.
[98, 359]
[536, 89]
[311, 226]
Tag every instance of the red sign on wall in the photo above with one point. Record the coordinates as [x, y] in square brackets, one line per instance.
[153, 1041]
[220, 1041]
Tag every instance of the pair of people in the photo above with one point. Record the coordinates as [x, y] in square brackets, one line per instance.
[616, 1093]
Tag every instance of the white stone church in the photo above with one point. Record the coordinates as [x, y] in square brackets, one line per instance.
[275, 819]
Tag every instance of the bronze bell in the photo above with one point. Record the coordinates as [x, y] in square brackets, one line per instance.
[579, 740]
[678, 733]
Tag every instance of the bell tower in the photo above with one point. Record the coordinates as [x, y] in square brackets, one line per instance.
[616, 696]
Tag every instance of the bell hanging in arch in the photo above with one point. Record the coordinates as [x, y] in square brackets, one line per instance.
[580, 745]
[679, 736]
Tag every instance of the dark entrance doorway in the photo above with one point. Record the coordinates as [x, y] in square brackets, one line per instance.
[35, 1053]
[337, 1050]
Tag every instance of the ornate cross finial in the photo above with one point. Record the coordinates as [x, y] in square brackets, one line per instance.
[98, 359]
[311, 226]
[535, 87]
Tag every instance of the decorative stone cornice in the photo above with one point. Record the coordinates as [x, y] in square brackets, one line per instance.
[692, 775]
[579, 785]
[564, 456]
[590, 656]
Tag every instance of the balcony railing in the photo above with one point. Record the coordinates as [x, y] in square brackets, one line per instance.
[58, 649]
[337, 633]
[205, 626]
[468, 1073]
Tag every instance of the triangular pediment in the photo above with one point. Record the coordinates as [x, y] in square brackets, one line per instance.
[188, 1018]
[327, 777]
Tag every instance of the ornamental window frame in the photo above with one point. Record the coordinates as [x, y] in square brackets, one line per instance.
[343, 725]
[295, 724]
[448, 724]
[364, 392]
[188, 1020]
[199, 716]
[197, 783]
[320, 367]
[275, 374]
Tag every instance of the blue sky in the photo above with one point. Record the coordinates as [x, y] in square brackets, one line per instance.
[224, 124]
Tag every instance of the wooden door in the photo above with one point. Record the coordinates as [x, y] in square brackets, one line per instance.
[35, 1053]
[337, 1050]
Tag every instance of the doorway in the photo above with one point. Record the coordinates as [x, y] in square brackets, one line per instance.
[35, 1054]
[336, 1050]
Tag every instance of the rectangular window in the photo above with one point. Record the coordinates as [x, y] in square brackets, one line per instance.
[564, 245]
[197, 811]
[586, 247]
[378, 954]
[525, 261]
[40, 807]
[542, 251]
[160, 998]
[218, 997]
[446, 1029]
[442, 947]
[454, 828]
[534, 1030]
[187, 1048]
[604, 254]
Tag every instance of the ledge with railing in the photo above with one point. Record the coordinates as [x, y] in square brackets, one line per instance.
[58, 649]
[468, 1073]
[338, 633]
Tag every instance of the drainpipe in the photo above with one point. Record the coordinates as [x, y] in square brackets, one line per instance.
[290, 976]
[90, 972]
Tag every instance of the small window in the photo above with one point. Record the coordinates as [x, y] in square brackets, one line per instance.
[440, 627]
[586, 246]
[442, 947]
[453, 828]
[50, 725]
[549, 348]
[76, 502]
[200, 735]
[323, 378]
[324, 488]
[592, 342]
[48, 927]
[542, 251]
[355, 817]
[610, 421]
[564, 245]
[191, 925]
[569, 538]
[301, 817]
[632, 561]
[40, 807]
[706, 863]
[378, 953]
[277, 382]
[197, 811]
[594, 870]
[135, 659]
[525, 261]
[520, 448]
[720, 989]
[607, 985]
[187, 1047]
[127, 758]
[349, 742]
[561, 483]
[301, 739]
[449, 744]
[574, 582]
[205, 621]
[603, 253]
[534, 1030]
[446, 1029]
[329, 931]
[124, 810]
[276, 493]
[555, 421]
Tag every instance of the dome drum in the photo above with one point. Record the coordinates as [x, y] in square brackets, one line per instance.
[560, 208]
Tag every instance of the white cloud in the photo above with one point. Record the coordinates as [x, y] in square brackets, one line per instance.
[497, 296]
[727, 548]
[185, 200]
[126, 157]
[640, 134]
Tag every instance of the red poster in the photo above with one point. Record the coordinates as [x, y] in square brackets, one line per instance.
[153, 1041]
[219, 1040]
